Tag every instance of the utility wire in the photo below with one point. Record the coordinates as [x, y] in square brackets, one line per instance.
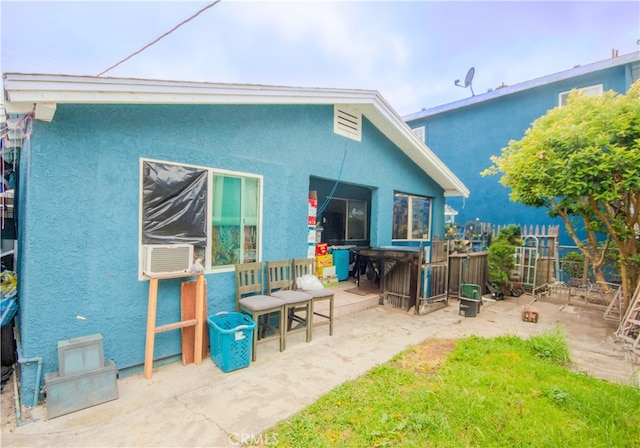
[164, 35]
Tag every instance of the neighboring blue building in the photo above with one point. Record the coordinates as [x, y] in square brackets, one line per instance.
[466, 133]
[108, 165]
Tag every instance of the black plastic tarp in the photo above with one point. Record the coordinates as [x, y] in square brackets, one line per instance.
[174, 204]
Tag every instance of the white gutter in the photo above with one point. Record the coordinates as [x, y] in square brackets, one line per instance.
[22, 91]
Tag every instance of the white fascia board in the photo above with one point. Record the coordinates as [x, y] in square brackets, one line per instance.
[79, 89]
[25, 90]
[397, 130]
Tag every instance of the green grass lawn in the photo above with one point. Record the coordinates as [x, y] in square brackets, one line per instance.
[498, 392]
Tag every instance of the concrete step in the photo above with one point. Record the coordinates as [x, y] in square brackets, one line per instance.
[346, 303]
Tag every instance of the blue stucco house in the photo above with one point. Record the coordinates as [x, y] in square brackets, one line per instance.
[108, 165]
[466, 133]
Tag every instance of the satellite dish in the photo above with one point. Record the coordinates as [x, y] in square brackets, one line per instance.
[467, 80]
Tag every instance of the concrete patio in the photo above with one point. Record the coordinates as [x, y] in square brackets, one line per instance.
[202, 406]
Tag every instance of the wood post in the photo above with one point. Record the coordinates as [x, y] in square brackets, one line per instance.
[198, 322]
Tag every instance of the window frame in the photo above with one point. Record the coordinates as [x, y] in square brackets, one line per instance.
[421, 132]
[365, 221]
[410, 218]
[593, 90]
[211, 172]
[345, 209]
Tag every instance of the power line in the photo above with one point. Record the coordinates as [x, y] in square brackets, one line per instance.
[156, 40]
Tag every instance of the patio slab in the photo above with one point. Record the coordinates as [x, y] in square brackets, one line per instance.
[202, 406]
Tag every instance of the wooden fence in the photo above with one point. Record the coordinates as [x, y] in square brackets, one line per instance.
[467, 268]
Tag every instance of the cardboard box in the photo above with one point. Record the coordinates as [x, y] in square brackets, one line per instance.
[311, 236]
[322, 249]
[329, 271]
[323, 260]
[331, 280]
[326, 271]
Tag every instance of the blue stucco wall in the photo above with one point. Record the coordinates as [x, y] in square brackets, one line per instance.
[79, 210]
[465, 138]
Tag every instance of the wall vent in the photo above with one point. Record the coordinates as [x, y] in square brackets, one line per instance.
[347, 122]
[167, 258]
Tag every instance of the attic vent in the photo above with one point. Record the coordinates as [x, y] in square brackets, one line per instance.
[347, 122]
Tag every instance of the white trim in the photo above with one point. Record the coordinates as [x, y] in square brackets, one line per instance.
[25, 90]
[594, 90]
[347, 122]
[421, 132]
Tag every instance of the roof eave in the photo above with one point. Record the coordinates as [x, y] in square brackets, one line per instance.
[23, 92]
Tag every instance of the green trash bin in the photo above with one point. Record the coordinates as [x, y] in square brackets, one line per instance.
[470, 291]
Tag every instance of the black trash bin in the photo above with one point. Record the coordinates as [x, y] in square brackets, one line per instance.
[469, 307]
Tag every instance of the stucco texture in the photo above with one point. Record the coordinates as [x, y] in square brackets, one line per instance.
[79, 210]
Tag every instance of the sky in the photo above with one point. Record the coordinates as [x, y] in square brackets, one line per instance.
[410, 51]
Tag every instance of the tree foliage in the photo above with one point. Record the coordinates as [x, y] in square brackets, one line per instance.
[500, 256]
[581, 162]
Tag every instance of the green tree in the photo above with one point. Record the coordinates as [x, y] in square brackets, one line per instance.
[581, 161]
[500, 256]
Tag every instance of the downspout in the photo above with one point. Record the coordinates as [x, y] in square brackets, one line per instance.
[16, 396]
[22, 360]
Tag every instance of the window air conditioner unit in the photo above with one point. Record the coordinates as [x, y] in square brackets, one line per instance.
[167, 258]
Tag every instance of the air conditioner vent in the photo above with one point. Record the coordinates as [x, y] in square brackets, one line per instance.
[167, 258]
[347, 122]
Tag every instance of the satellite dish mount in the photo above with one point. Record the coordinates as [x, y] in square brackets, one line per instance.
[467, 80]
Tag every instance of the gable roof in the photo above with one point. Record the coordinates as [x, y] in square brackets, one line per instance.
[40, 93]
[545, 80]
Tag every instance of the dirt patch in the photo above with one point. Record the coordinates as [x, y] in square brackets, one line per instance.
[426, 357]
[9, 417]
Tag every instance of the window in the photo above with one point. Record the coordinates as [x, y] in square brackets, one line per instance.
[588, 91]
[235, 220]
[217, 212]
[421, 132]
[344, 220]
[411, 217]
[357, 220]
